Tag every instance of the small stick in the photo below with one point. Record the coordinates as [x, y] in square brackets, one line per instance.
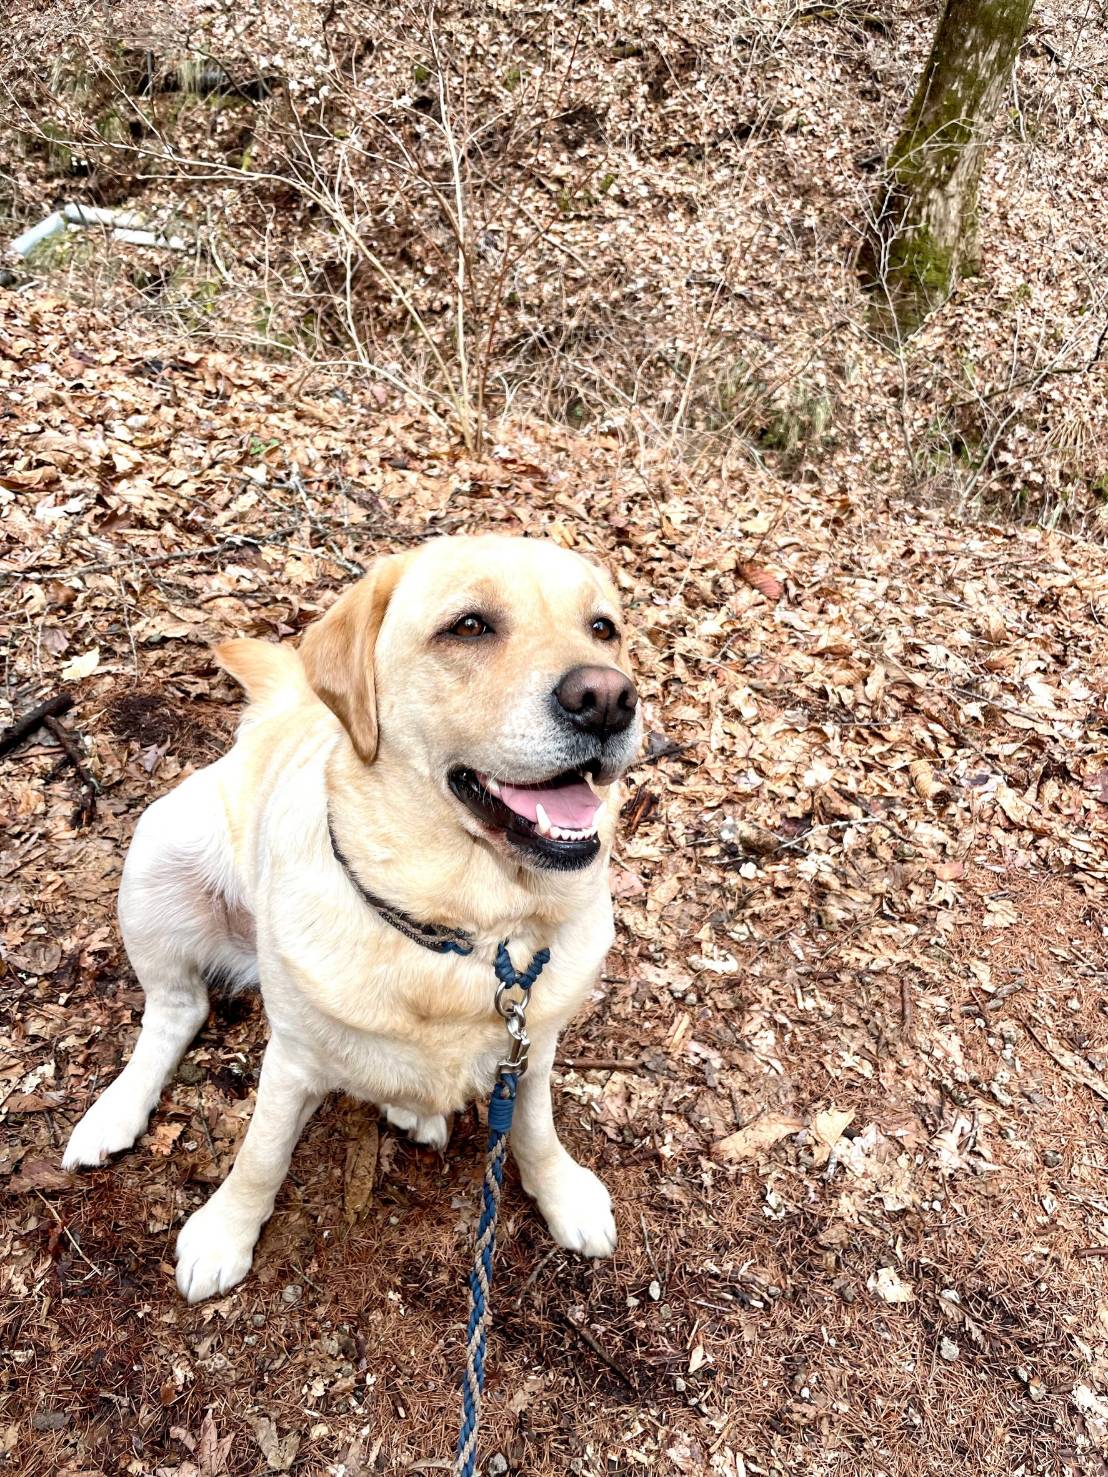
[650, 1251]
[905, 1006]
[534, 1277]
[599, 1064]
[23, 727]
[1072, 1068]
[1091, 1251]
[66, 1233]
[667, 753]
[87, 808]
[150, 561]
[605, 1358]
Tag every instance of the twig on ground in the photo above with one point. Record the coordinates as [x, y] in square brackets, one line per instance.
[905, 1006]
[23, 727]
[534, 1277]
[1069, 1063]
[67, 1233]
[605, 1358]
[667, 753]
[150, 561]
[86, 809]
[650, 1251]
[600, 1064]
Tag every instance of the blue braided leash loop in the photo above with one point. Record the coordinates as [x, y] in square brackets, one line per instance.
[521, 979]
[502, 1105]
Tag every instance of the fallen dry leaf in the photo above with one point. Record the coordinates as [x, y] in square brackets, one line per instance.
[761, 580]
[359, 1173]
[212, 1450]
[828, 1127]
[624, 883]
[162, 1137]
[755, 1138]
[926, 786]
[279, 1451]
[890, 1287]
[39, 1174]
[81, 666]
[32, 1102]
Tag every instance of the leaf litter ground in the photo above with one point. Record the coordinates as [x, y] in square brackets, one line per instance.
[846, 1073]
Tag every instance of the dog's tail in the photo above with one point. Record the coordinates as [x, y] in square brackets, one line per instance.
[263, 668]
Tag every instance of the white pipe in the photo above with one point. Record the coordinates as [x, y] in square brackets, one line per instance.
[24, 244]
[125, 226]
[92, 215]
[150, 238]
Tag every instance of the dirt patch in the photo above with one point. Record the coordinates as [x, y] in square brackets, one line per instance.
[153, 718]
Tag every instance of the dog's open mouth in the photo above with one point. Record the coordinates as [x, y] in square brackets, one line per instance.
[553, 822]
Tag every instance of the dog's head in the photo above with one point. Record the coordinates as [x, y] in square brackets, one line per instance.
[497, 669]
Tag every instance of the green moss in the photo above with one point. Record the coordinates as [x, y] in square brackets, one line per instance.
[52, 141]
[926, 231]
[58, 251]
[112, 128]
[205, 293]
[916, 257]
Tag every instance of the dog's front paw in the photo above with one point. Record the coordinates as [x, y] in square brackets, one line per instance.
[213, 1252]
[110, 1125]
[578, 1210]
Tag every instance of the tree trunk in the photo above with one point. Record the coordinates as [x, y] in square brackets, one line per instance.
[923, 235]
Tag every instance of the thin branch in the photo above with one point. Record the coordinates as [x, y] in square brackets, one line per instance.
[23, 727]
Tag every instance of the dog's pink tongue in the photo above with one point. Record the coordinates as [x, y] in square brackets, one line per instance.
[571, 806]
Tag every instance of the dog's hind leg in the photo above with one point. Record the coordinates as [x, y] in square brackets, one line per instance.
[422, 1128]
[172, 934]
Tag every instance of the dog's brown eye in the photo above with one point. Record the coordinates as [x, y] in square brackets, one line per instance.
[469, 627]
[604, 629]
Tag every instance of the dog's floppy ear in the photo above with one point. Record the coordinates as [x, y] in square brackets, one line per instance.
[337, 652]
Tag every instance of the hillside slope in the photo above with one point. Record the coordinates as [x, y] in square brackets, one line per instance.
[609, 215]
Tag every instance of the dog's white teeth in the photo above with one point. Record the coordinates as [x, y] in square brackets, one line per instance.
[565, 833]
[493, 787]
[542, 821]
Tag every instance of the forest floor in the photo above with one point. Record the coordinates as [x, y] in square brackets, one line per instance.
[847, 1073]
[846, 1076]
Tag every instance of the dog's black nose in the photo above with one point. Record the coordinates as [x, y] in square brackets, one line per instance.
[598, 700]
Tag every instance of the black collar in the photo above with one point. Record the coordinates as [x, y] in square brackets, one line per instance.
[438, 939]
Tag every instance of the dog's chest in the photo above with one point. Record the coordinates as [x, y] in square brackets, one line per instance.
[431, 1070]
[391, 1021]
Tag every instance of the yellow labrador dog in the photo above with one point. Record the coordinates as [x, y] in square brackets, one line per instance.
[438, 762]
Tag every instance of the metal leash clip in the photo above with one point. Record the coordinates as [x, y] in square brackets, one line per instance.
[515, 1018]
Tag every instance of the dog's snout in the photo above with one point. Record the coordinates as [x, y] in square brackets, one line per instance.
[598, 700]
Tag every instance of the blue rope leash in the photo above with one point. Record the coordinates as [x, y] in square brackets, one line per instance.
[502, 1105]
